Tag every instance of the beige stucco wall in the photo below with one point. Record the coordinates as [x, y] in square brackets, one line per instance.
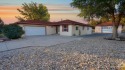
[120, 29]
[81, 31]
[73, 32]
[89, 31]
[69, 33]
[98, 29]
[58, 29]
[50, 30]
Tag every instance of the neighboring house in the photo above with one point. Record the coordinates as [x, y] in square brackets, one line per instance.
[106, 27]
[65, 27]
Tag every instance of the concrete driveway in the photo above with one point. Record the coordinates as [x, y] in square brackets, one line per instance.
[36, 41]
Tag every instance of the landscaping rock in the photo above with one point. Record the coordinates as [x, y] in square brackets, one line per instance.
[86, 54]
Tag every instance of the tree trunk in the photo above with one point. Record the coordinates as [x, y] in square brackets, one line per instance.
[115, 25]
[115, 32]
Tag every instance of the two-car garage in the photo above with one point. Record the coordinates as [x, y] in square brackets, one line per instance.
[34, 30]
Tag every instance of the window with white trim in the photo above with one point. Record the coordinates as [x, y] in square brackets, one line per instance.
[65, 28]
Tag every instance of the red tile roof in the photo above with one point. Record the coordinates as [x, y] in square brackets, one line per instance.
[106, 24]
[33, 22]
[64, 22]
[70, 22]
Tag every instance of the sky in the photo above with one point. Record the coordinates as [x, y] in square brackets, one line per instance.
[58, 9]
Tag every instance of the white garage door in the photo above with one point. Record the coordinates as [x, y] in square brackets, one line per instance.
[107, 29]
[29, 31]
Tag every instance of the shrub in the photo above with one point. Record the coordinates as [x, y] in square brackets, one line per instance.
[1, 26]
[13, 31]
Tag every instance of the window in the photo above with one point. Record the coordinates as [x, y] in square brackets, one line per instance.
[77, 28]
[65, 28]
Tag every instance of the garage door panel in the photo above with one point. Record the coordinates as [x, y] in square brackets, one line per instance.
[107, 30]
[34, 31]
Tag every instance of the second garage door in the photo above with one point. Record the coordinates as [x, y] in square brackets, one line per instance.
[30, 31]
[106, 29]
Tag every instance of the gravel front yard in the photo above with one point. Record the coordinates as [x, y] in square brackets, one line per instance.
[87, 54]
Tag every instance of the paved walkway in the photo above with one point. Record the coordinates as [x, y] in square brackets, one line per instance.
[35, 41]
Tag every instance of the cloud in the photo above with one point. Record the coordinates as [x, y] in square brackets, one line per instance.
[8, 4]
[61, 8]
[56, 12]
[64, 16]
[9, 7]
[51, 8]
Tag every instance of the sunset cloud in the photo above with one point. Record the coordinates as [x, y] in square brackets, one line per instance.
[57, 12]
[9, 7]
[8, 12]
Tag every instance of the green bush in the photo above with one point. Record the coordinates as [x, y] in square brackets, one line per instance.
[1, 26]
[13, 31]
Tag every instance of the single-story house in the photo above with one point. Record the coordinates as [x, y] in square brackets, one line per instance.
[106, 27]
[65, 27]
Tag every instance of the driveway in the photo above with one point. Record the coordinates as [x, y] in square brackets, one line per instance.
[36, 41]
